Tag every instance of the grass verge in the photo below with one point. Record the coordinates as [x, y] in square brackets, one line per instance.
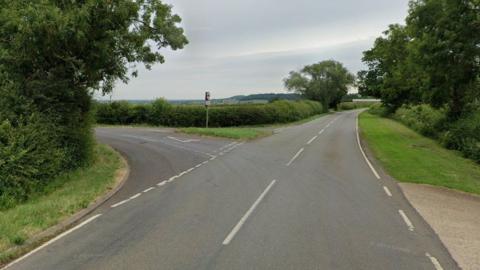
[68, 194]
[244, 132]
[238, 133]
[410, 157]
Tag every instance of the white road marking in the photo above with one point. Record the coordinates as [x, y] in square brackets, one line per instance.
[199, 165]
[135, 196]
[363, 153]
[434, 261]
[53, 240]
[189, 170]
[312, 139]
[183, 141]
[239, 225]
[321, 131]
[172, 178]
[119, 203]
[295, 157]
[205, 162]
[162, 183]
[212, 158]
[407, 220]
[148, 189]
[182, 174]
[387, 191]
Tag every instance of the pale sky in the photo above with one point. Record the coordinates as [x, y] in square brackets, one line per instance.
[248, 46]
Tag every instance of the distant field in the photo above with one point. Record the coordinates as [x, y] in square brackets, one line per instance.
[410, 157]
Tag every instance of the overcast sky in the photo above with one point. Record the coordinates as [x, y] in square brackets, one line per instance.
[249, 46]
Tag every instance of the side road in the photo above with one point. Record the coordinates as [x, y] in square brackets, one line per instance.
[409, 157]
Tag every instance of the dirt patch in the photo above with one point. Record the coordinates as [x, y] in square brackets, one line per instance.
[454, 216]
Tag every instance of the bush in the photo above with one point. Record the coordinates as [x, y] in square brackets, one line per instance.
[345, 106]
[464, 135]
[378, 109]
[30, 156]
[162, 113]
[422, 118]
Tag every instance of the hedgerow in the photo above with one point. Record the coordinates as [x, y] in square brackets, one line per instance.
[162, 113]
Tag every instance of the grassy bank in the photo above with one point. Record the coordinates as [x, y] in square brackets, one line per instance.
[245, 132]
[67, 194]
[410, 157]
[231, 133]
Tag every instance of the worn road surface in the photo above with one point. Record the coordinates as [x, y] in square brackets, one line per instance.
[304, 198]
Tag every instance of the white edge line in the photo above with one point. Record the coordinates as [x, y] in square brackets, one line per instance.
[321, 131]
[387, 191]
[199, 165]
[161, 183]
[172, 178]
[295, 157]
[52, 240]
[135, 196]
[214, 157]
[205, 162]
[119, 203]
[239, 225]
[407, 220]
[189, 170]
[434, 261]
[363, 153]
[312, 139]
[148, 189]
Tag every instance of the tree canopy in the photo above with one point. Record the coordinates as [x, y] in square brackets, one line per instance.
[53, 55]
[434, 58]
[326, 81]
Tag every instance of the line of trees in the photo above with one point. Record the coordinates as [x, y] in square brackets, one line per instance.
[53, 55]
[427, 72]
[433, 59]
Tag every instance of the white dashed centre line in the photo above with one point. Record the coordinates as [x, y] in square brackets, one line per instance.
[312, 139]
[247, 214]
[120, 203]
[162, 183]
[295, 157]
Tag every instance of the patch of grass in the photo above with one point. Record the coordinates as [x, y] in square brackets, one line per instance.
[410, 157]
[68, 194]
[238, 133]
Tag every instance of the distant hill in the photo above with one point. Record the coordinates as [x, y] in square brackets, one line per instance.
[240, 99]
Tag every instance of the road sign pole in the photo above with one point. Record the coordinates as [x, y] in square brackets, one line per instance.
[206, 123]
[207, 103]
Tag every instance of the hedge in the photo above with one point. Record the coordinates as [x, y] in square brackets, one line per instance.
[160, 112]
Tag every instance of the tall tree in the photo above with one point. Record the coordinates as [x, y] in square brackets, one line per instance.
[446, 44]
[391, 74]
[326, 81]
[58, 52]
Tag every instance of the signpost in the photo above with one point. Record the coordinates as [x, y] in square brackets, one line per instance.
[207, 103]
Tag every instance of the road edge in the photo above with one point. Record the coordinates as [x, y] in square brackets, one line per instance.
[121, 176]
[363, 144]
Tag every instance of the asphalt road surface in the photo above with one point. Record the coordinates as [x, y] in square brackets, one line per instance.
[304, 198]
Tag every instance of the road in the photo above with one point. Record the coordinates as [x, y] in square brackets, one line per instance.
[304, 198]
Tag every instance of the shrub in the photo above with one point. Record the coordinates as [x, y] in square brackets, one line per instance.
[422, 118]
[464, 135]
[30, 156]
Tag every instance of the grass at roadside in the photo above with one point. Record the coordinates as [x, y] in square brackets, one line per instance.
[239, 133]
[410, 157]
[68, 194]
[244, 132]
